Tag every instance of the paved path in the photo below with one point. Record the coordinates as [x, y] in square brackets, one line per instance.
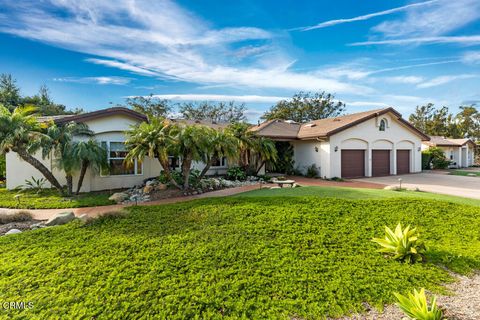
[467, 187]
[44, 214]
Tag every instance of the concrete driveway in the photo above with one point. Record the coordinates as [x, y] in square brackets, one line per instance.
[468, 187]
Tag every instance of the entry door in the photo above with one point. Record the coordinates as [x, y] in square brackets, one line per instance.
[380, 163]
[353, 163]
[403, 161]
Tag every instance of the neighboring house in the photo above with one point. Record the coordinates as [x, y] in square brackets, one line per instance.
[371, 143]
[461, 152]
[109, 126]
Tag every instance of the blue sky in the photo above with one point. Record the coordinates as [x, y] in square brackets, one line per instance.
[370, 54]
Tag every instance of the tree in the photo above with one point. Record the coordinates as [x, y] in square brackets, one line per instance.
[220, 112]
[150, 106]
[433, 121]
[265, 151]
[9, 92]
[90, 155]
[20, 132]
[245, 137]
[220, 144]
[151, 139]
[468, 122]
[306, 106]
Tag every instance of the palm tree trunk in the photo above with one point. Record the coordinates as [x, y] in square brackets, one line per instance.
[186, 166]
[39, 166]
[83, 170]
[69, 179]
[259, 168]
[207, 167]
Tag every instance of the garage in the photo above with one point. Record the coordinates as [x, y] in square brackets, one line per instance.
[403, 161]
[380, 163]
[353, 163]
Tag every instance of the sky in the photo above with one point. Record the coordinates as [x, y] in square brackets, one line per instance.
[370, 54]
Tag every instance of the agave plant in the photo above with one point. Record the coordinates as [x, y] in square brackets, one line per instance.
[415, 306]
[403, 245]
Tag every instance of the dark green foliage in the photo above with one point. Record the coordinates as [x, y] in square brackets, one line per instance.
[250, 258]
[3, 167]
[236, 173]
[150, 106]
[312, 171]
[437, 158]
[50, 199]
[426, 158]
[285, 162]
[216, 112]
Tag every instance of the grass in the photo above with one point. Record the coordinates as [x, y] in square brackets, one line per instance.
[470, 173]
[355, 194]
[51, 199]
[255, 257]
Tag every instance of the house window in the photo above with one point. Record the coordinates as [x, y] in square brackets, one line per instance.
[220, 162]
[173, 162]
[383, 124]
[117, 153]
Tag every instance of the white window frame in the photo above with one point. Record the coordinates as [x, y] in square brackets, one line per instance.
[135, 165]
[223, 163]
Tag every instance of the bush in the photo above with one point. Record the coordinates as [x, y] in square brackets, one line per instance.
[178, 177]
[403, 245]
[312, 171]
[236, 173]
[415, 306]
[3, 167]
[436, 158]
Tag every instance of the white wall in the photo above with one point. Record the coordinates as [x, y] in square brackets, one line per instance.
[306, 153]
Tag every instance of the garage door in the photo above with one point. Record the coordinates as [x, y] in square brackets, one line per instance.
[353, 163]
[403, 161]
[380, 163]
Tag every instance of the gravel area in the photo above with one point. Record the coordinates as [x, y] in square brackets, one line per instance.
[463, 304]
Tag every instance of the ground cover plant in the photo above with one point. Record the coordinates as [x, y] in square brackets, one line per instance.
[237, 257]
[469, 173]
[50, 199]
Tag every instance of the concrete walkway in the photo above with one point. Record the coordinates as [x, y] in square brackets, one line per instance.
[45, 214]
[436, 182]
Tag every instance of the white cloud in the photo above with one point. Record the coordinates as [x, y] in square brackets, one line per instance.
[365, 17]
[403, 79]
[463, 40]
[220, 97]
[95, 80]
[369, 104]
[161, 39]
[471, 57]
[437, 81]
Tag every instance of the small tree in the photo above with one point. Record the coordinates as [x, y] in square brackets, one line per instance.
[265, 151]
[150, 106]
[90, 154]
[220, 144]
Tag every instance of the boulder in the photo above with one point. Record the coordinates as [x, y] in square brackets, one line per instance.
[161, 186]
[83, 218]
[150, 183]
[60, 218]
[148, 188]
[118, 197]
[13, 231]
[37, 226]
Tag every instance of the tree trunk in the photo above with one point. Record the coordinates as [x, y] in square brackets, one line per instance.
[259, 168]
[166, 169]
[69, 179]
[186, 166]
[207, 167]
[83, 170]
[39, 166]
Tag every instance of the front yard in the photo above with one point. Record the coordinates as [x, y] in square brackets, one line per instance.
[50, 199]
[255, 256]
[469, 173]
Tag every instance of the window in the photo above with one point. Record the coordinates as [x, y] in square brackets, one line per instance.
[173, 162]
[220, 162]
[383, 124]
[116, 159]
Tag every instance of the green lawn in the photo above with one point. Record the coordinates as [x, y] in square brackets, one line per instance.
[465, 173]
[237, 257]
[356, 193]
[51, 199]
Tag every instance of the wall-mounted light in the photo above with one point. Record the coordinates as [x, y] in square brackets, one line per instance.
[419, 149]
[316, 149]
[336, 148]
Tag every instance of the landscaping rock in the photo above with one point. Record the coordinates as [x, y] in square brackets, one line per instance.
[161, 186]
[148, 188]
[60, 218]
[13, 231]
[150, 183]
[36, 226]
[119, 197]
[83, 218]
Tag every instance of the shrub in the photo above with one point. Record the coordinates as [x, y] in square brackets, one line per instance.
[236, 173]
[19, 216]
[436, 157]
[312, 171]
[415, 306]
[265, 177]
[35, 184]
[403, 245]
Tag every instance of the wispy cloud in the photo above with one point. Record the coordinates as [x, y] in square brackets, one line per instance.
[437, 81]
[162, 40]
[404, 79]
[463, 40]
[364, 17]
[471, 57]
[220, 97]
[95, 80]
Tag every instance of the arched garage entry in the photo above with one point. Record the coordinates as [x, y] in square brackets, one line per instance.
[382, 158]
[405, 153]
[353, 158]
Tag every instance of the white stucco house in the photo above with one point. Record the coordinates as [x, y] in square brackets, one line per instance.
[109, 126]
[365, 144]
[461, 152]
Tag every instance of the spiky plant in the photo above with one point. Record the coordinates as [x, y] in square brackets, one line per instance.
[416, 307]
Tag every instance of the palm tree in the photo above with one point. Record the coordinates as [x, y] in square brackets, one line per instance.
[152, 139]
[20, 132]
[90, 154]
[220, 144]
[246, 138]
[265, 151]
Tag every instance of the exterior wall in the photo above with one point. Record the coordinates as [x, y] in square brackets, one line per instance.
[106, 129]
[461, 156]
[311, 152]
[367, 136]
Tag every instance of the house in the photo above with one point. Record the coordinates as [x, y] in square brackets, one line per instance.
[372, 143]
[461, 152]
[109, 126]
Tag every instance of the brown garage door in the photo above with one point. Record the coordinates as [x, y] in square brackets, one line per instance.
[380, 163]
[353, 163]
[403, 161]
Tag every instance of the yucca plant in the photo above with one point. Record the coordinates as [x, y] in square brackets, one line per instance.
[415, 306]
[403, 245]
